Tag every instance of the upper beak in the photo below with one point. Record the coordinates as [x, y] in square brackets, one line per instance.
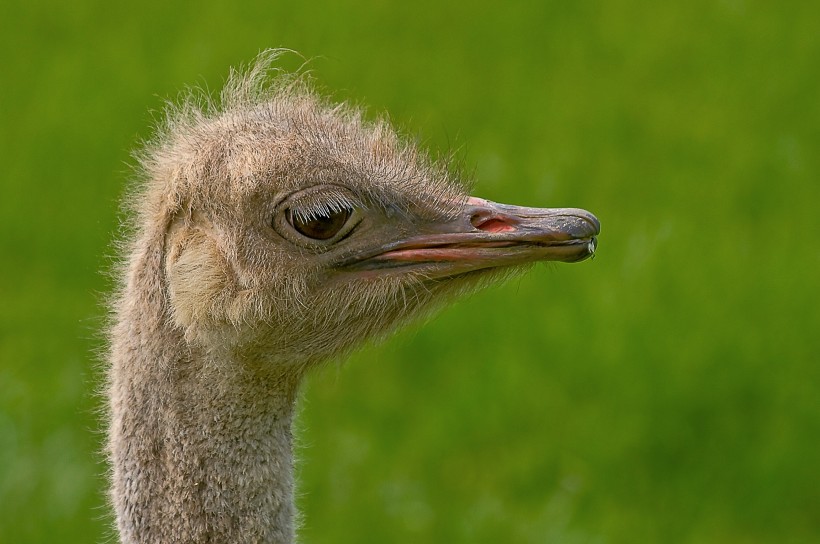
[488, 235]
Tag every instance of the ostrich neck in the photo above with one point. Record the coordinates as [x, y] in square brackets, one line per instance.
[200, 443]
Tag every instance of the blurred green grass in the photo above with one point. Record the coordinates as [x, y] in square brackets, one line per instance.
[665, 392]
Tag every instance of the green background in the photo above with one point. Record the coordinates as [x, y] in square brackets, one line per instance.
[665, 392]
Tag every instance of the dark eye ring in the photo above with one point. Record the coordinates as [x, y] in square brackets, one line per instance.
[320, 227]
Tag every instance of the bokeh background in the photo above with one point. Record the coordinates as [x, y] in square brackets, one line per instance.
[665, 392]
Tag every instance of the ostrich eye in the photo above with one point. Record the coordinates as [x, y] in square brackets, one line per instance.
[322, 226]
[319, 217]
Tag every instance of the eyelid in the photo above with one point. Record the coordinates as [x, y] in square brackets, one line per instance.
[315, 204]
[308, 209]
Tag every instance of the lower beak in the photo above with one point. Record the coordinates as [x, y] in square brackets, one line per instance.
[489, 235]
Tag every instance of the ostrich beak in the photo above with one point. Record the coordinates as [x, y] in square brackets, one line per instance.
[485, 235]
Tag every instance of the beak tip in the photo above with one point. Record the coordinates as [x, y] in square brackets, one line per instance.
[592, 220]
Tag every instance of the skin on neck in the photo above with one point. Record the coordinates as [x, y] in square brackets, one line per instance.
[204, 452]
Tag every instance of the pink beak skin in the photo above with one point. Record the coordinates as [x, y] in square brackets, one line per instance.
[488, 235]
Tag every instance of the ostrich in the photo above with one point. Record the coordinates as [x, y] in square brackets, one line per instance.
[274, 231]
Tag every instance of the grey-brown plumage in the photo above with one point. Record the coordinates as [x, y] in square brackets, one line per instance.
[272, 232]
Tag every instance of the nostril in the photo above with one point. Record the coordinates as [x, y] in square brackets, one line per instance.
[490, 224]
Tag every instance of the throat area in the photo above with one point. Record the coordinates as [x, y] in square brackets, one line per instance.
[205, 460]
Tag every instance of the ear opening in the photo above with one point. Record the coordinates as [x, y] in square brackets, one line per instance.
[200, 284]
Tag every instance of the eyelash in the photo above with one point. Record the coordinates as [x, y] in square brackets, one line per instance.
[309, 209]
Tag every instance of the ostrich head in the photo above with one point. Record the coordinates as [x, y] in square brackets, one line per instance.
[274, 231]
[292, 230]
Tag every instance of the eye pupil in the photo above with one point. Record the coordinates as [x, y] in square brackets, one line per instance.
[321, 227]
